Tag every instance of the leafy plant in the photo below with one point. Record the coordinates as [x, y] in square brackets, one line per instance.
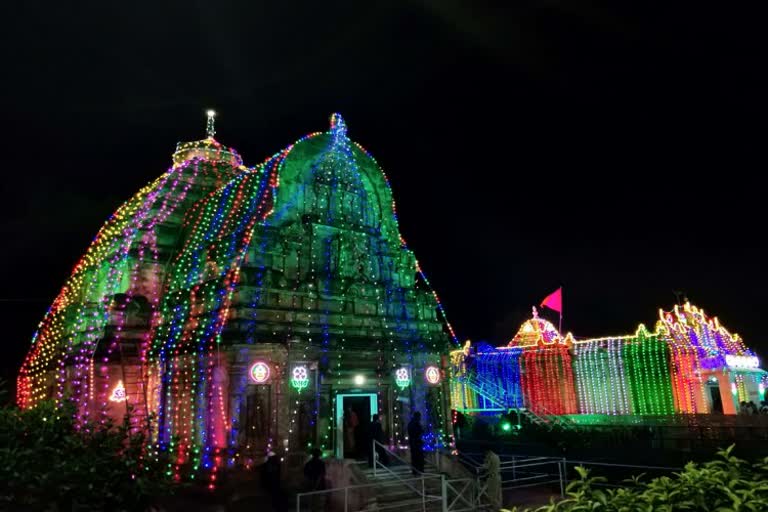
[46, 463]
[727, 484]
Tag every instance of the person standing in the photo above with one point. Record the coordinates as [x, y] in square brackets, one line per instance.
[416, 443]
[270, 477]
[492, 465]
[350, 430]
[377, 434]
[314, 472]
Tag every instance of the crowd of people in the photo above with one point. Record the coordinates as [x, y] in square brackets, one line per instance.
[749, 408]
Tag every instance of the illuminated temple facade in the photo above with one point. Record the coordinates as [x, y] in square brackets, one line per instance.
[248, 307]
[689, 364]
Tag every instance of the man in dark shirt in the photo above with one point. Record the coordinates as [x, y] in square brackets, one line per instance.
[270, 475]
[377, 434]
[415, 433]
[314, 471]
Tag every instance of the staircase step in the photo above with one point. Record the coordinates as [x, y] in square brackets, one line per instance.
[410, 505]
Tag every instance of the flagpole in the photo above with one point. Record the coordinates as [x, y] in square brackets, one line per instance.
[560, 326]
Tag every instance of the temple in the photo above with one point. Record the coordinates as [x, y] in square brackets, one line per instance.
[248, 309]
[689, 364]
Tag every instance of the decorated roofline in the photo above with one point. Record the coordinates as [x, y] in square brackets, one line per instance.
[100, 272]
[686, 325]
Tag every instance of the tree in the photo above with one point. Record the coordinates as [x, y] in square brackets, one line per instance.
[46, 463]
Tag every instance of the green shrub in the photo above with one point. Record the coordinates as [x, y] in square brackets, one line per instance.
[728, 484]
[47, 464]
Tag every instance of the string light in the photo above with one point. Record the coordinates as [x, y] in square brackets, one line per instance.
[299, 377]
[432, 374]
[646, 373]
[403, 377]
[259, 372]
[301, 252]
[118, 393]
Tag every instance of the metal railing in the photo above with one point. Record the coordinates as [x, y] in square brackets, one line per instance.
[355, 498]
[619, 479]
[517, 472]
[379, 467]
[393, 455]
[490, 390]
[459, 495]
[455, 495]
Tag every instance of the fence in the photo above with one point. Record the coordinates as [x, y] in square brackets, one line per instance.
[433, 492]
[517, 472]
[426, 491]
[354, 497]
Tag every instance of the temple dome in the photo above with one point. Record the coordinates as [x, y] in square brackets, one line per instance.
[337, 183]
[536, 331]
[207, 149]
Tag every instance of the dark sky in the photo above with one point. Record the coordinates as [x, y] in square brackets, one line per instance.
[616, 150]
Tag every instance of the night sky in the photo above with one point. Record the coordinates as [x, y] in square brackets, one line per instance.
[616, 151]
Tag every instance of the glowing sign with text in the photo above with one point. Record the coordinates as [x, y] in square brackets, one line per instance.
[300, 377]
[742, 361]
[432, 374]
[259, 372]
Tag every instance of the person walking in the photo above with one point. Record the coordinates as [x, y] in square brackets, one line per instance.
[377, 434]
[416, 443]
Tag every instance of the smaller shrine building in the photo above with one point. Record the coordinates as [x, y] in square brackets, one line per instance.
[689, 364]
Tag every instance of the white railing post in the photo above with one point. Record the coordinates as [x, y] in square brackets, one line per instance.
[479, 490]
[374, 458]
[423, 495]
[514, 472]
[565, 471]
[298, 503]
[561, 470]
[444, 492]
[346, 499]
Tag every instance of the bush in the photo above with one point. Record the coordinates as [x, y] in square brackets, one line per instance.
[47, 464]
[728, 484]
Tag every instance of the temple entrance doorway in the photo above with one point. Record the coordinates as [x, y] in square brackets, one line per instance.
[256, 418]
[353, 421]
[715, 400]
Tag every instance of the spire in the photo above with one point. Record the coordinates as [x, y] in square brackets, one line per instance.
[338, 126]
[210, 129]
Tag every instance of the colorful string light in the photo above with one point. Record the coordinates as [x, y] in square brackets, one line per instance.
[301, 253]
[648, 373]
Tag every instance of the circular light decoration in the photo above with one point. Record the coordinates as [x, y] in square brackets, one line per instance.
[359, 380]
[118, 393]
[432, 374]
[259, 372]
[402, 377]
[300, 377]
